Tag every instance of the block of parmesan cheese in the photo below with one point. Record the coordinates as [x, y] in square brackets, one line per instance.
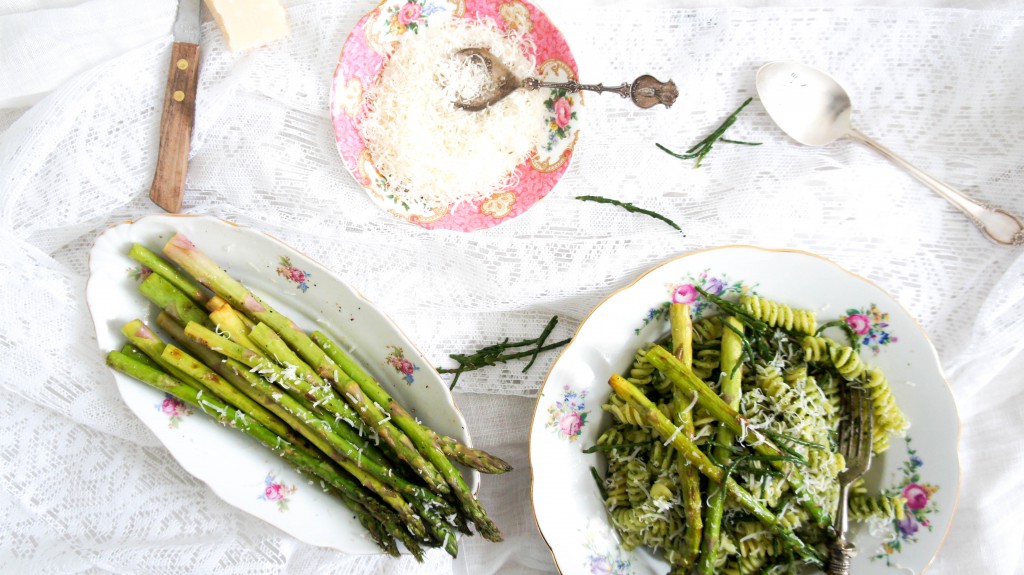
[249, 23]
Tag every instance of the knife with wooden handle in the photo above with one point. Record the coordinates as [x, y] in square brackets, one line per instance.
[179, 110]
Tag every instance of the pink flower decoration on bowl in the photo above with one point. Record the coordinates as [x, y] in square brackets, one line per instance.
[916, 496]
[273, 492]
[367, 51]
[571, 423]
[859, 323]
[170, 406]
[277, 491]
[409, 13]
[685, 293]
[563, 112]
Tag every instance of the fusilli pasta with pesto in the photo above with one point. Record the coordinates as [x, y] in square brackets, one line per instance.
[786, 381]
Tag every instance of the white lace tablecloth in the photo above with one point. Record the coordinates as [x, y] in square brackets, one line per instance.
[85, 488]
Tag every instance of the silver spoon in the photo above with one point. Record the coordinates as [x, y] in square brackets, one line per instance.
[813, 109]
[645, 91]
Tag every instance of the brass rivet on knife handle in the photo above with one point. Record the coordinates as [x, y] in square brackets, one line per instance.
[176, 127]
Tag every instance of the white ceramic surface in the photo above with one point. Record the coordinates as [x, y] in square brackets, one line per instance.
[568, 416]
[239, 470]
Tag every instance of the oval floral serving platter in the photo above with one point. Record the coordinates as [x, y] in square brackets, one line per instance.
[239, 470]
[923, 467]
[364, 56]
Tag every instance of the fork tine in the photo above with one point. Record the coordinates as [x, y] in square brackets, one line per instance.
[844, 429]
[866, 440]
[860, 424]
[857, 422]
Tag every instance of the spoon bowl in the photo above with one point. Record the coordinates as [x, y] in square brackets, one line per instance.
[813, 109]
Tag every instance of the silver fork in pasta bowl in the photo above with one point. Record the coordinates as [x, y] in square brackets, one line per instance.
[855, 434]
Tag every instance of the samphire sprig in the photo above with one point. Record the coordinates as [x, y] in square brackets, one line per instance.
[629, 208]
[703, 147]
[495, 353]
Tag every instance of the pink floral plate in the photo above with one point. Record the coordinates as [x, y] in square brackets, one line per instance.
[364, 56]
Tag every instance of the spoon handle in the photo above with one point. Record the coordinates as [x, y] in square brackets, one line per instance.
[645, 91]
[572, 86]
[999, 225]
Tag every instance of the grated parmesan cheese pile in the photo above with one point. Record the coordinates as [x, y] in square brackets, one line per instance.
[432, 154]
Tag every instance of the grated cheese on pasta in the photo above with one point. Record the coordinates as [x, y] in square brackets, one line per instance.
[433, 154]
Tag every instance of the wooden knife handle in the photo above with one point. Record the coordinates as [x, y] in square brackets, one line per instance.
[176, 127]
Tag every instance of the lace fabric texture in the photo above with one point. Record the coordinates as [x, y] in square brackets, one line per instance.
[84, 487]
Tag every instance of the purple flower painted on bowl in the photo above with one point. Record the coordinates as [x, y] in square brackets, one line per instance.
[600, 566]
[685, 293]
[607, 563]
[908, 526]
[571, 423]
[714, 286]
[916, 496]
[859, 323]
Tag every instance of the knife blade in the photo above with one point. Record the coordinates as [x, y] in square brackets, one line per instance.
[179, 111]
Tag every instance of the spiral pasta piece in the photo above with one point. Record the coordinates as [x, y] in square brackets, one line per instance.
[829, 386]
[809, 411]
[768, 488]
[614, 435]
[662, 490]
[769, 379]
[705, 362]
[816, 348]
[638, 480]
[704, 427]
[755, 544]
[799, 376]
[865, 507]
[623, 412]
[796, 375]
[793, 517]
[630, 523]
[780, 315]
[662, 458]
[641, 373]
[846, 361]
[889, 419]
[707, 329]
[631, 435]
[663, 529]
[754, 406]
[615, 488]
